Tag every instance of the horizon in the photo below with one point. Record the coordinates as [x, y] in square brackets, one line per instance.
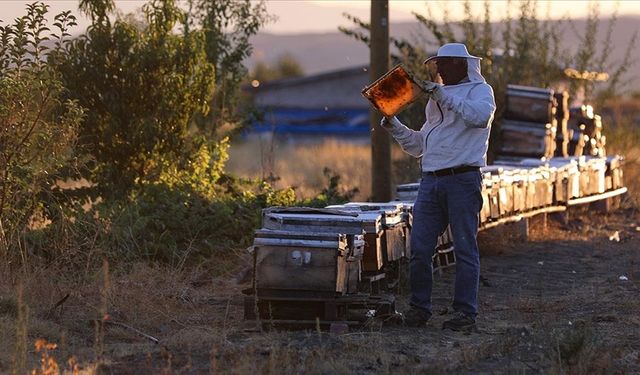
[324, 16]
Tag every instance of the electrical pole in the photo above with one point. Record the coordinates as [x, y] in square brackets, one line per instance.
[380, 139]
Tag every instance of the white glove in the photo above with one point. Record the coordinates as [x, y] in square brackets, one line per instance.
[428, 86]
[433, 89]
[389, 123]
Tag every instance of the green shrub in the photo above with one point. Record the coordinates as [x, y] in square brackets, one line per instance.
[182, 214]
[142, 85]
[38, 127]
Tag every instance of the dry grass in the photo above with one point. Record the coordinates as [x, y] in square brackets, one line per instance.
[300, 163]
[198, 319]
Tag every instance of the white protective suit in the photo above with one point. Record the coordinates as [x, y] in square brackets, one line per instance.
[456, 130]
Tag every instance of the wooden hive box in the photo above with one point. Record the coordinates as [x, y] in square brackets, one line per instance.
[407, 218]
[568, 178]
[505, 188]
[304, 219]
[519, 177]
[614, 174]
[527, 139]
[314, 262]
[407, 192]
[527, 103]
[493, 190]
[393, 227]
[598, 167]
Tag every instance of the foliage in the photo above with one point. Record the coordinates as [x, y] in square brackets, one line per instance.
[142, 85]
[334, 193]
[38, 127]
[227, 27]
[178, 215]
[285, 67]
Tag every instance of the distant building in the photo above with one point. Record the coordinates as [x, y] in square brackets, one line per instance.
[326, 103]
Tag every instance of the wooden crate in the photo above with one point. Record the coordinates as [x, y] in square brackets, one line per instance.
[529, 104]
[373, 256]
[527, 140]
[287, 260]
[392, 219]
[614, 174]
[333, 221]
[407, 192]
[568, 177]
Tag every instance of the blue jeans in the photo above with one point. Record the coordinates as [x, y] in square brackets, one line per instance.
[455, 200]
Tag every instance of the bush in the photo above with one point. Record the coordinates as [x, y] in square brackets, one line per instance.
[181, 215]
[142, 85]
[38, 127]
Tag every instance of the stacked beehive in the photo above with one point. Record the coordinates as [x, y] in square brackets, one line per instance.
[587, 132]
[529, 125]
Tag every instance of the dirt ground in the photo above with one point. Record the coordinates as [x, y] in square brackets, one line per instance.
[565, 301]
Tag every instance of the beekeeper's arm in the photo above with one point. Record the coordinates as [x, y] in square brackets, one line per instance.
[410, 140]
[476, 109]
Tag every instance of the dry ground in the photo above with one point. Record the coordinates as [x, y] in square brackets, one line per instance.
[554, 304]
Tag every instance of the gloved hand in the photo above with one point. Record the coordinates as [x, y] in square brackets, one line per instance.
[389, 123]
[428, 86]
[433, 89]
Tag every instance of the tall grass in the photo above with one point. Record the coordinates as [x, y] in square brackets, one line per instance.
[300, 163]
[622, 129]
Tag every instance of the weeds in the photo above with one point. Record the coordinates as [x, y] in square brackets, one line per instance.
[19, 364]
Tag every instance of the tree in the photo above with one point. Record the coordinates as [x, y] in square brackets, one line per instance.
[38, 126]
[227, 26]
[285, 67]
[142, 85]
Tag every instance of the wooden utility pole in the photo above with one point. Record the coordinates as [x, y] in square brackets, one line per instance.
[380, 139]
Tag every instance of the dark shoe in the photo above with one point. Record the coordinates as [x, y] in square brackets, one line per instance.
[460, 322]
[415, 317]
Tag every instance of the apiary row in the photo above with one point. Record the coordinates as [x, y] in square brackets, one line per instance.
[514, 186]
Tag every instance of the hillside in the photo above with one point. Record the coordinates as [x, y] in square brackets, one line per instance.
[330, 51]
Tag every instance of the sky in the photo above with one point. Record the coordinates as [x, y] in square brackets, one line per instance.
[315, 16]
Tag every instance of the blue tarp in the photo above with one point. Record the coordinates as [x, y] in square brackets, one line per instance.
[312, 121]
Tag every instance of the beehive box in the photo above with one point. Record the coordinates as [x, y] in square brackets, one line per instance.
[614, 176]
[393, 227]
[519, 180]
[597, 167]
[492, 188]
[306, 261]
[303, 219]
[567, 181]
[407, 212]
[527, 103]
[504, 181]
[485, 212]
[527, 139]
[407, 192]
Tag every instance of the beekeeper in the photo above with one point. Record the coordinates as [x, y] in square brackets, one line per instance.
[452, 145]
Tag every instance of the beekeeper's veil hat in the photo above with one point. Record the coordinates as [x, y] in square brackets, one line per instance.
[459, 50]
